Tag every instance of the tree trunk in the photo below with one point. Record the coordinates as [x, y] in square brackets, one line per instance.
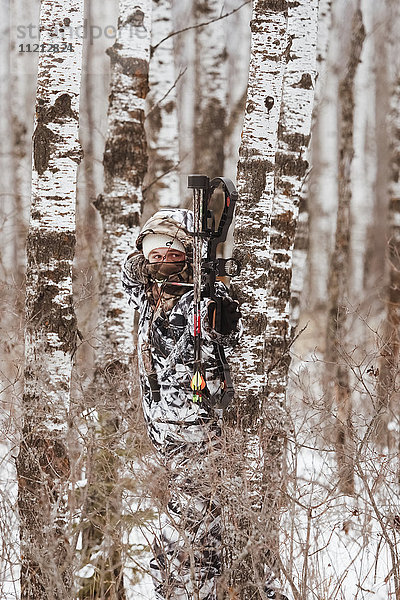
[259, 433]
[184, 52]
[389, 361]
[8, 214]
[125, 162]
[323, 188]
[364, 162]
[162, 187]
[210, 90]
[291, 164]
[237, 70]
[337, 372]
[375, 269]
[301, 246]
[43, 462]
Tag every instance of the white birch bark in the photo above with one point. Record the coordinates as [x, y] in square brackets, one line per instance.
[210, 90]
[301, 247]
[292, 165]
[387, 406]
[237, 43]
[363, 168]
[323, 188]
[50, 337]
[255, 415]
[161, 114]
[125, 162]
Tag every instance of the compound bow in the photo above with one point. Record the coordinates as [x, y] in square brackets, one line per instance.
[206, 269]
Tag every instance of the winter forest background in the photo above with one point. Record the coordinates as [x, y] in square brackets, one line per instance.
[328, 466]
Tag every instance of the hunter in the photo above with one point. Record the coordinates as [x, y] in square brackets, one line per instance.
[186, 434]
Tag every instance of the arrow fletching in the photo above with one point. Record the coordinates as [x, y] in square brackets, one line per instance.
[197, 384]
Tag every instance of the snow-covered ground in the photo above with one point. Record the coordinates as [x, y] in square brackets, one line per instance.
[333, 546]
[9, 559]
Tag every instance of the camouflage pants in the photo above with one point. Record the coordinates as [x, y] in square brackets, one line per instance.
[187, 548]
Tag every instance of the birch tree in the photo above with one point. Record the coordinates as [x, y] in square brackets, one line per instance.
[301, 247]
[270, 172]
[255, 181]
[236, 26]
[43, 463]
[210, 90]
[125, 162]
[363, 167]
[389, 362]
[375, 252]
[161, 114]
[294, 137]
[337, 369]
[323, 189]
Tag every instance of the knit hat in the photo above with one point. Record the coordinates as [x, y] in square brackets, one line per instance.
[151, 241]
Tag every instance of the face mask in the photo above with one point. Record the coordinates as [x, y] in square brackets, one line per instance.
[162, 270]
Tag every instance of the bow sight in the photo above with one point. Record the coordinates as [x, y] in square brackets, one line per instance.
[206, 269]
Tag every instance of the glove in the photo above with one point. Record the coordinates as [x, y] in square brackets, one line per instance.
[224, 315]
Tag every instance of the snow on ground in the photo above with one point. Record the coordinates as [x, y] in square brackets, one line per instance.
[9, 559]
[336, 547]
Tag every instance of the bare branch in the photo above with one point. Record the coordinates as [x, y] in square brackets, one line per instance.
[153, 48]
[181, 74]
[173, 168]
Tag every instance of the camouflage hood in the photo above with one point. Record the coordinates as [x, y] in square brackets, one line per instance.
[175, 222]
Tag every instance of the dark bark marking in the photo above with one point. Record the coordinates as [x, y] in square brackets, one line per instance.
[43, 138]
[305, 82]
[263, 7]
[42, 312]
[289, 165]
[125, 153]
[254, 173]
[154, 118]
[269, 102]
[113, 206]
[136, 19]
[297, 142]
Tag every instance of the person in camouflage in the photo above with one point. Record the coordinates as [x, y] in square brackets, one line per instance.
[158, 279]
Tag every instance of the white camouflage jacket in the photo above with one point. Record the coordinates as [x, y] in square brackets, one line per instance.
[165, 347]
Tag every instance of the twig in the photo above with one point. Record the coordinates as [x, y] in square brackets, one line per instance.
[181, 74]
[392, 549]
[173, 168]
[153, 48]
